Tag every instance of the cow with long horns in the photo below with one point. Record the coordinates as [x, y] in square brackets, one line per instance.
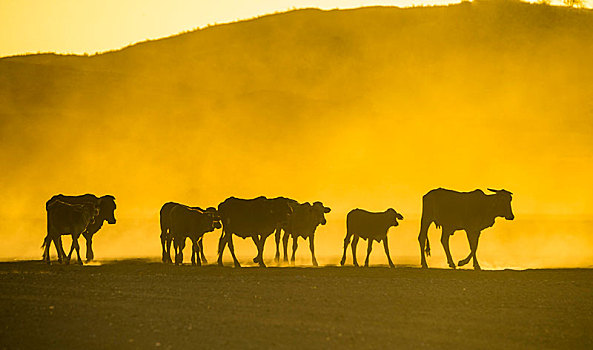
[469, 211]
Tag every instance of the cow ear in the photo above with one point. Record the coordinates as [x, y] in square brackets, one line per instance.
[326, 209]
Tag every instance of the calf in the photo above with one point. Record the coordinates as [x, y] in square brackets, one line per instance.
[193, 223]
[370, 226]
[302, 223]
[167, 238]
[64, 219]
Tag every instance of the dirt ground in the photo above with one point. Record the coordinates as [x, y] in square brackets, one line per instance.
[145, 304]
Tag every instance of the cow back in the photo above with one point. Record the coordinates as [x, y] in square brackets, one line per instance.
[246, 217]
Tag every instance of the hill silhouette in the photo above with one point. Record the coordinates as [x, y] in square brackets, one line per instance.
[355, 107]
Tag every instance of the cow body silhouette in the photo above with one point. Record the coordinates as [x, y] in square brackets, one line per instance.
[190, 223]
[106, 206]
[67, 219]
[469, 211]
[302, 223]
[167, 238]
[370, 226]
[255, 218]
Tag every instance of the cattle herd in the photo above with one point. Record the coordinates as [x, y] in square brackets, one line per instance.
[261, 217]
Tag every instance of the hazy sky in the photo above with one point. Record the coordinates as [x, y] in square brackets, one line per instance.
[90, 26]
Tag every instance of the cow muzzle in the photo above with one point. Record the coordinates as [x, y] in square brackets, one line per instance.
[111, 221]
[511, 217]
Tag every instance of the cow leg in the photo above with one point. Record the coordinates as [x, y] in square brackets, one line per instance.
[474, 238]
[423, 241]
[46, 243]
[166, 251]
[201, 248]
[195, 256]
[295, 245]
[312, 248]
[232, 249]
[222, 242]
[470, 255]
[169, 240]
[194, 251]
[285, 245]
[77, 247]
[179, 246]
[69, 257]
[346, 242]
[256, 241]
[386, 246]
[369, 248]
[59, 248]
[89, 247]
[354, 243]
[260, 251]
[277, 235]
[445, 235]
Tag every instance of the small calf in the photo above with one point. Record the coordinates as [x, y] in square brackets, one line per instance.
[370, 226]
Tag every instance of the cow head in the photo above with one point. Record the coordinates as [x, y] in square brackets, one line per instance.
[319, 211]
[214, 216]
[107, 207]
[502, 203]
[396, 216]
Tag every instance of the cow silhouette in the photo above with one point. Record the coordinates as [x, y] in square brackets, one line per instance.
[372, 227]
[256, 218]
[167, 238]
[302, 223]
[469, 211]
[106, 206]
[193, 224]
[67, 219]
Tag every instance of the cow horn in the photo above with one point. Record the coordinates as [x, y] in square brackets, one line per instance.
[495, 191]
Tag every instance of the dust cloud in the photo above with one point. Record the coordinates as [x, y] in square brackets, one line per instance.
[367, 108]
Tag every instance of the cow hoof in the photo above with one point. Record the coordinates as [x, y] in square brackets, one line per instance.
[237, 265]
[315, 263]
[342, 262]
[477, 267]
[391, 266]
[424, 266]
[452, 265]
[80, 262]
[356, 264]
[204, 261]
[220, 263]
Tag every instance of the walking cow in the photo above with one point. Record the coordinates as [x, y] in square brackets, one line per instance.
[193, 223]
[370, 226]
[256, 218]
[67, 219]
[167, 238]
[106, 206]
[302, 223]
[470, 211]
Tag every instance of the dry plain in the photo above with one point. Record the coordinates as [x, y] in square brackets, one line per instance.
[145, 304]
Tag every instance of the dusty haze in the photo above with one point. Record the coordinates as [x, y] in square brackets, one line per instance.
[367, 108]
